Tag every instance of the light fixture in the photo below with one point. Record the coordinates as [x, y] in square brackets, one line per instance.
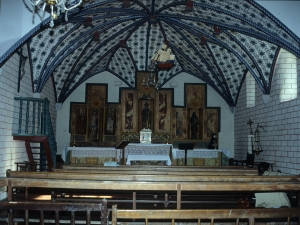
[56, 7]
[163, 58]
[151, 79]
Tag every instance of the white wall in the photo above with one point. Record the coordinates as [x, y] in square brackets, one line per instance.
[280, 119]
[14, 151]
[15, 22]
[286, 11]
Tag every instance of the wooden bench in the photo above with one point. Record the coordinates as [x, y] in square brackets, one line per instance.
[200, 215]
[177, 185]
[154, 168]
[21, 212]
[162, 170]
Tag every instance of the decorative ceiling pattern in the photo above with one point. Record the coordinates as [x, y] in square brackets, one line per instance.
[123, 36]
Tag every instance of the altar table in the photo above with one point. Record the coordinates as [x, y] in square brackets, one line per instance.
[211, 157]
[148, 152]
[92, 152]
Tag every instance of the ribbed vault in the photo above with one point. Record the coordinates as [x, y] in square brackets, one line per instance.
[249, 40]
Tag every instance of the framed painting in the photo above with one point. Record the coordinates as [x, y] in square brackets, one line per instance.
[180, 123]
[129, 111]
[110, 121]
[195, 95]
[211, 123]
[162, 116]
[78, 119]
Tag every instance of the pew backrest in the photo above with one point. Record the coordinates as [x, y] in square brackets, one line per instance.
[19, 210]
[151, 215]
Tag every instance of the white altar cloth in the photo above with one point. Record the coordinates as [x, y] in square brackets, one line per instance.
[92, 152]
[199, 153]
[147, 152]
[147, 149]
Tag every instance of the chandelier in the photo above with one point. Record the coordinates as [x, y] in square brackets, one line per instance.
[56, 7]
[151, 80]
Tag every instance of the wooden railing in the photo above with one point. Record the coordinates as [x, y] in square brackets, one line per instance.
[34, 123]
[34, 118]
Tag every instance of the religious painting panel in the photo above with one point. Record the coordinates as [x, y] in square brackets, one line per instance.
[110, 121]
[95, 121]
[195, 95]
[180, 123]
[129, 111]
[146, 114]
[96, 99]
[162, 115]
[96, 95]
[143, 78]
[78, 122]
[195, 118]
[211, 123]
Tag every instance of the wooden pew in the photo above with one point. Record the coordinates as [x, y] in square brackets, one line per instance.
[213, 177]
[154, 168]
[199, 215]
[20, 211]
[151, 183]
[163, 170]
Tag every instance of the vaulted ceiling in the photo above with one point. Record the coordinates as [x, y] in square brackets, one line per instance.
[249, 40]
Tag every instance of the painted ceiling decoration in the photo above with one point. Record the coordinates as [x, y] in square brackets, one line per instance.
[217, 41]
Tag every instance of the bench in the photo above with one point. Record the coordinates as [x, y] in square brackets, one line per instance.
[200, 215]
[175, 185]
[19, 211]
[180, 170]
[178, 186]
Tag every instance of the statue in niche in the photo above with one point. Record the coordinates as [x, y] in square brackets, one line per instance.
[194, 126]
[146, 116]
[94, 125]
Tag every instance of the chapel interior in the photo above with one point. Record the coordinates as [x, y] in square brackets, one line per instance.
[151, 105]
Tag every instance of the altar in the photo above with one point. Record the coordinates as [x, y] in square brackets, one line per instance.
[201, 157]
[148, 152]
[91, 155]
